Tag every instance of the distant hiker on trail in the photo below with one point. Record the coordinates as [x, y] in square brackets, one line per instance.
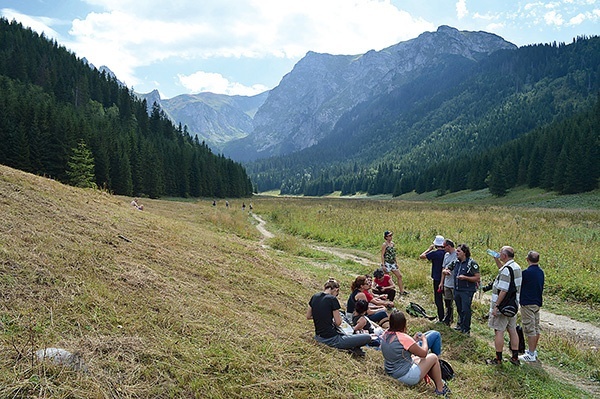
[407, 359]
[324, 310]
[447, 284]
[389, 264]
[435, 254]
[532, 288]
[226, 204]
[136, 205]
[214, 203]
[497, 320]
[466, 279]
[243, 206]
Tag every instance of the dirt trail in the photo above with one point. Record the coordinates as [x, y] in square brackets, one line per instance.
[549, 321]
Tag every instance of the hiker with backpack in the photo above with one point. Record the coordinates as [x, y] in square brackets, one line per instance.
[466, 279]
[407, 359]
[509, 274]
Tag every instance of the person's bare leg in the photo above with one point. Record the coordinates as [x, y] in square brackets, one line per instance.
[430, 365]
[399, 278]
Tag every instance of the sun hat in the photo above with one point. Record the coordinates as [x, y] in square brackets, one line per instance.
[439, 241]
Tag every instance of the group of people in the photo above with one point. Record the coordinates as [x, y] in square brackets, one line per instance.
[456, 278]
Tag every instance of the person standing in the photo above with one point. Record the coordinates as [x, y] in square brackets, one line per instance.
[532, 288]
[435, 254]
[389, 264]
[497, 320]
[324, 310]
[466, 278]
[447, 283]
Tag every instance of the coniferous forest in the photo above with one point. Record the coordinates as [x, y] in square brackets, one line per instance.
[529, 116]
[65, 120]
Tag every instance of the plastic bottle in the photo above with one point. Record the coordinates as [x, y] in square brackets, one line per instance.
[493, 253]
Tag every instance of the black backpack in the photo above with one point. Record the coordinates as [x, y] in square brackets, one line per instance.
[416, 310]
[447, 370]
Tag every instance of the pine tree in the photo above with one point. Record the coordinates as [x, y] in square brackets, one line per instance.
[80, 167]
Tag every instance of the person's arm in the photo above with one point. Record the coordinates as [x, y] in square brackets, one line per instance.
[473, 279]
[360, 324]
[420, 350]
[428, 250]
[383, 253]
[309, 313]
[337, 319]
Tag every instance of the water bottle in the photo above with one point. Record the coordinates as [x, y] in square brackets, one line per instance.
[493, 253]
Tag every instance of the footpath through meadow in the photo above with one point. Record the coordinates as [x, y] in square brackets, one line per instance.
[562, 325]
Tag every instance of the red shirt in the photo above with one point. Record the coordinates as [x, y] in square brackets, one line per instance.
[383, 282]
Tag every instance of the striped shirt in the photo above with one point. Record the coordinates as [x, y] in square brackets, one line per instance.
[502, 282]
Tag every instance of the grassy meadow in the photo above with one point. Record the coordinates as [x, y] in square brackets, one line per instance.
[182, 300]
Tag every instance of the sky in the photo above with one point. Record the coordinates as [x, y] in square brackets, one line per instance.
[244, 47]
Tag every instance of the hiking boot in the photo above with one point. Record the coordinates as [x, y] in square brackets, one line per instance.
[528, 357]
[515, 361]
[493, 362]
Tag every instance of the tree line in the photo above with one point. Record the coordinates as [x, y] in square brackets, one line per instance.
[58, 116]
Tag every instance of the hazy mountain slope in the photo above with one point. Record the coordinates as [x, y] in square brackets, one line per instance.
[309, 101]
[214, 118]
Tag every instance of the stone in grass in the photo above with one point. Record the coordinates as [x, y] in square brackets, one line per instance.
[62, 357]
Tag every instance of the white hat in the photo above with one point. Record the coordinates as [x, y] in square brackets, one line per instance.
[439, 241]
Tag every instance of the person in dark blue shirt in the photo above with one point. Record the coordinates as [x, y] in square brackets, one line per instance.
[435, 254]
[532, 288]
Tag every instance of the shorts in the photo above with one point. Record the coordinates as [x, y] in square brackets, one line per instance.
[501, 322]
[389, 267]
[448, 293]
[530, 317]
[412, 377]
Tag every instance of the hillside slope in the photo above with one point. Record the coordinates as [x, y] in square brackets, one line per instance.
[180, 300]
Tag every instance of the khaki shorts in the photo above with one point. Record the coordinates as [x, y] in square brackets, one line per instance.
[448, 293]
[501, 322]
[530, 317]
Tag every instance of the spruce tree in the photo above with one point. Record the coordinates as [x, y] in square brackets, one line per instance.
[80, 167]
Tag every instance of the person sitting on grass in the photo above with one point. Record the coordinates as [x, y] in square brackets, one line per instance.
[407, 359]
[383, 284]
[360, 319]
[360, 290]
[324, 310]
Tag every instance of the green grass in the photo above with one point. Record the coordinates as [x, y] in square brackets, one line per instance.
[191, 305]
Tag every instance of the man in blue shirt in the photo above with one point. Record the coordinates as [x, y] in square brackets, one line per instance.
[532, 287]
[435, 254]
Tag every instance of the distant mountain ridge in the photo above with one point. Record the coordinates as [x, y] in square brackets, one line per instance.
[303, 109]
[214, 118]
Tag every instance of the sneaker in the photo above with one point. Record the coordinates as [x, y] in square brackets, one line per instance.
[528, 357]
[404, 292]
[457, 327]
[358, 352]
[493, 362]
[515, 361]
[444, 392]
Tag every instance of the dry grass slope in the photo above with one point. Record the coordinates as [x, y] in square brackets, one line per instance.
[178, 301]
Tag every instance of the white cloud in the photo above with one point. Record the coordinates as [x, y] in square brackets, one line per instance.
[37, 24]
[577, 20]
[461, 9]
[553, 18]
[216, 83]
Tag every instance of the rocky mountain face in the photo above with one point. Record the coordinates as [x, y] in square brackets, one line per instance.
[215, 118]
[304, 108]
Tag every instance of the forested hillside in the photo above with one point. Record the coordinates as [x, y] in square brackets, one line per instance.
[62, 119]
[525, 116]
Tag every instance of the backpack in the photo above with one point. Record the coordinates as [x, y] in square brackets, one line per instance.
[447, 370]
[416, 310]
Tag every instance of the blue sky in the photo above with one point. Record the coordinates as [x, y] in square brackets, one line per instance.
[247, 46]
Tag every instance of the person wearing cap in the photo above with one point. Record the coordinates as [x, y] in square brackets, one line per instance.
[435, 254]
[389, 264]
